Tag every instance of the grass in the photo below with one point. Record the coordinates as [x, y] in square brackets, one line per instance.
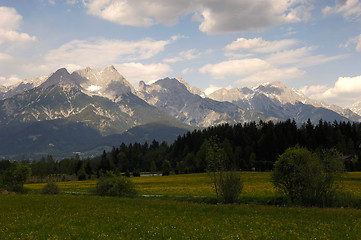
[257, 186]
[91, 217]
[67, 216]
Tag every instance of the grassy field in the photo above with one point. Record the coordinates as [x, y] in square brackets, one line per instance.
[67, 216]
[91, 217]
[256, 185]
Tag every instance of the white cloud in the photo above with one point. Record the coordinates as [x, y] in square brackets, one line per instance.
[102, 52]
[140, 13]
[259, 45]
[347, 8]
[212, 88]
[271, 75]
[241, 67]
[72, 2]
[252, 70]
[184, 55]
[5, 57]
[344, 91]
[257, 60]
[135, 72]
[353, 41]
[52, 2]
[187, 70]
[10, 22]
[239, 16]
[215, 16]
[13, 36]
[13, 79]
[302, 57]
[313, 90]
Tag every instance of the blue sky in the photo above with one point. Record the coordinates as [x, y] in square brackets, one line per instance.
[311, 45]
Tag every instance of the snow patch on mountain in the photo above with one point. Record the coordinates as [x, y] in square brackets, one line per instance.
[93, 88]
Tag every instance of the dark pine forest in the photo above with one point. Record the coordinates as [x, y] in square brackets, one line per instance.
[248, 146]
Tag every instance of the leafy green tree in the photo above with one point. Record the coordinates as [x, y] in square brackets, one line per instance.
[227, 184]
[15, 176]
[307, 178]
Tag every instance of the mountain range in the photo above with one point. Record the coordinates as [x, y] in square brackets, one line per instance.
[92, 109]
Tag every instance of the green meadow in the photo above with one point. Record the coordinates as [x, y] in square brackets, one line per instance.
[75, 215]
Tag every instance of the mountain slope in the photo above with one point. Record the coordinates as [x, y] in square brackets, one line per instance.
[173, 97]
[62, 96]
[277, 100]
[61, 138]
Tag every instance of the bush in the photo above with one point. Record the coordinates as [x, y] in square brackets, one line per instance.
[306, 178]
[115, 186]
[231, 187]
[51, 188]
[166, 168]
[15, 176]
[136, 173]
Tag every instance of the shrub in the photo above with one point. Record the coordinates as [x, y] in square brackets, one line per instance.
[136, 173]
[51, 188]
[306, 178]
[166, 168]
[115, 186]
[230, 186]
[82, 174]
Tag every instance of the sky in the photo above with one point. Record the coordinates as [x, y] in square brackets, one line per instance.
[310, 45]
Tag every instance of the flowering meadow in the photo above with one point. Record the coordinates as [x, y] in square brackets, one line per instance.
[91, 217]
[75, 214]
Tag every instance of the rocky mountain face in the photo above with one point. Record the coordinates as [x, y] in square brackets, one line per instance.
[91, 109]
[178, 99]
[356, 107]
[90, 103]
[277, 100]
[113, 108]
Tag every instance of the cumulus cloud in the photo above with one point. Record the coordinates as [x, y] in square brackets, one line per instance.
[259, 45]
[240, 67]
[347, 8]
[239, 16]
[183, 56]
[13, 79]
[302, 57]
[257, 60]
[187, 70]
[140, 13]
[215, 16]
[313, 90]
[99, 53]
[272, 74]
[135, 72]
[252, 70]
[212, 88]
[345, 90]
[10, 22]
[103, 52]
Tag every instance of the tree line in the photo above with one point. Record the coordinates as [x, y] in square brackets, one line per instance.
[247, 146]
